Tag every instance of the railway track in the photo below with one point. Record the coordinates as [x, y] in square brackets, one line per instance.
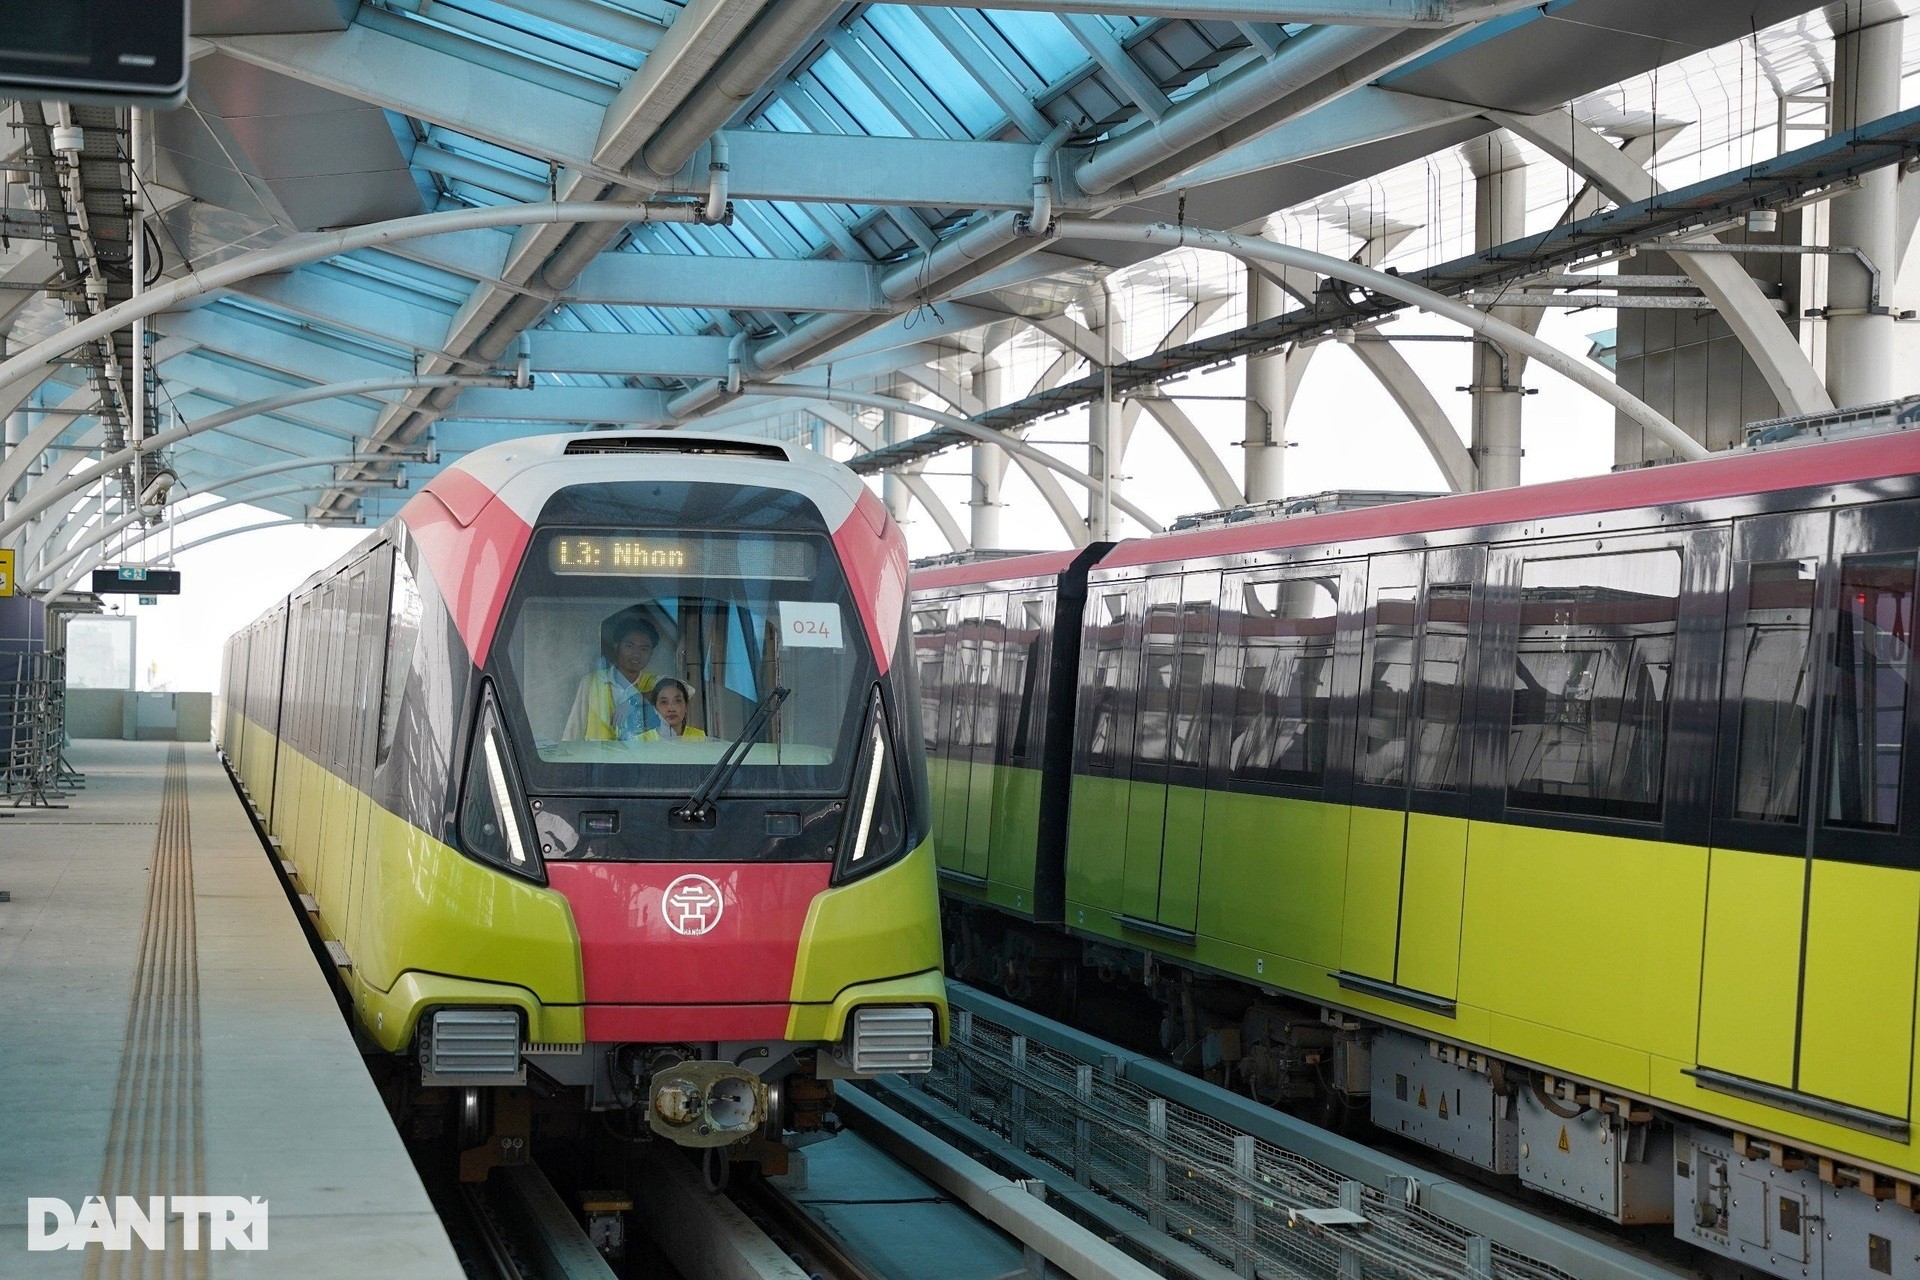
[812, 1247]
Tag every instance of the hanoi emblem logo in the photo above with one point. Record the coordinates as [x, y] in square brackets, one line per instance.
[692, 905]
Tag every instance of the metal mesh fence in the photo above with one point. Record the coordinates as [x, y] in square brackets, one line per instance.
[33, 696]
[1256, 1208]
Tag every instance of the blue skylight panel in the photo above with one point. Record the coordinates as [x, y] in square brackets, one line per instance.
[783, 118]
[803, 227]
[533, 23]
[1042, 39]
[856, 98]
[502, 157]
[942, 75]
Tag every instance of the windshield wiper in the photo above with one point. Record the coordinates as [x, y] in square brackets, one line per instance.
[699, 806]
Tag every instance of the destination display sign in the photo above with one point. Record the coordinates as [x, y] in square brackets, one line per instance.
[114, 52]
[681, 556]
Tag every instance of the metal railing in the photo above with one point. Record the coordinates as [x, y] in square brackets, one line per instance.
[33, 720]
[1257, 1208]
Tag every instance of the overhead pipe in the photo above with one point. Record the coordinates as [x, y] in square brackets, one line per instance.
[740, 73]
[953, 422]
[33, 580]
[1512, 337]
[1301, 60]
[1305, 60]
[1395, 13]
[26, 510]
[923, 275]
[699, 39]
[314, 248]
[1040, 221]
[73, 579]
[719, 169]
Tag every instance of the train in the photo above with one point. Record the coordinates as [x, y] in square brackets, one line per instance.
[599, 765]
[1569, 830]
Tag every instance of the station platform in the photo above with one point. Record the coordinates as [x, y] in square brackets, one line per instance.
[165, 1031]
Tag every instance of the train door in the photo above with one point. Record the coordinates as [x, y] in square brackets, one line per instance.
[1813, 908]
[1407, 840]
[372, 606]
[1024, 689]
[286, 797]
[1166, 801]
[334, 615]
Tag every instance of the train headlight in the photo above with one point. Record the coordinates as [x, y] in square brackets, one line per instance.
[492, 827]
[875, 832]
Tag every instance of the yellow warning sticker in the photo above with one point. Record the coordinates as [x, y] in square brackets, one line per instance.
[1422, 1102]
[1564, 1144]
[1443, 1106]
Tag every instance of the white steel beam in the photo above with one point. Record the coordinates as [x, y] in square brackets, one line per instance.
[729, 284]
[1393, 286]
[848, 425]
[966, 402]
[1388, 13]
[1430, 421]
[1775, 352]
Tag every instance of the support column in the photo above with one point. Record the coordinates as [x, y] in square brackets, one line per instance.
[1499, 216]
[1866, 86]
[1269, 398]
[893, 489]
[989, 463]
[1103, 424]
[15, 435]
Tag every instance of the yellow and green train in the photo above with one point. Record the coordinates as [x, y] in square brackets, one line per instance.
[596, 767]
[1566, 829]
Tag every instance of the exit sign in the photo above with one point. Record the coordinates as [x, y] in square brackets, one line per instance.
[136, 580]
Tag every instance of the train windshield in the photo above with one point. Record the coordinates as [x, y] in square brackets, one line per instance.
[636, 656]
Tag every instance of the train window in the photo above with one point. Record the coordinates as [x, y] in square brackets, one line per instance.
[1867, 702]
[1153, 729]
[1776, 694]
[1109, 660]
[1193, 631]
[1442, 691]
[1390, 646]
[1592, 676]
[1285, 691]
[1026, 667]
[638, 680]
[967, 660]
[403, 634]
[992, 646]
[930, 650]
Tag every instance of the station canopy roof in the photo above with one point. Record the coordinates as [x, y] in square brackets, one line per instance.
[865, 143]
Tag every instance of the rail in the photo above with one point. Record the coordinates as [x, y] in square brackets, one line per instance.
[1212, 1184]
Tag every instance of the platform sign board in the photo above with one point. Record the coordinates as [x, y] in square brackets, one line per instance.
[136, 580]
[6, 571]
[110, 52]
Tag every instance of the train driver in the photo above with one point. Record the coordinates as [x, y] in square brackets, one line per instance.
[612, 703]
[670, 701]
